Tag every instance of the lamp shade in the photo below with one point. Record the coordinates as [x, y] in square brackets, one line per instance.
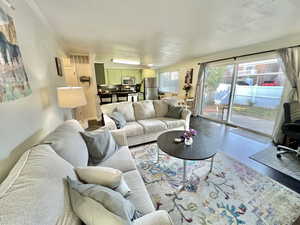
[71, 97]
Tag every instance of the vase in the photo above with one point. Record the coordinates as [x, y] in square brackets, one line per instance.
[188, 141]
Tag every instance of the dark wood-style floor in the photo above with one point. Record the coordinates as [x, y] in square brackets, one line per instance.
[241, 144]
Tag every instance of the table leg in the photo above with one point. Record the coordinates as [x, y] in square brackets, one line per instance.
[211, 164]
[184, 181]
[184, 172]
[157, 151]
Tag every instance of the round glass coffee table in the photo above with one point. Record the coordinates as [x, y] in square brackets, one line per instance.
[199, 150]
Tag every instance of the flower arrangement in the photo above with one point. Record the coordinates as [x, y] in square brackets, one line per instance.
[187, 86]
[189, 134]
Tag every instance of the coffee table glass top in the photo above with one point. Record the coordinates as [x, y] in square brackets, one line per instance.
[200, 149]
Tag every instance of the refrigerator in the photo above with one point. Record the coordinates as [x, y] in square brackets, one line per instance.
[150, 88]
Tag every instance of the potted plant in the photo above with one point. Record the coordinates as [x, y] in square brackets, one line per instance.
[188, 136]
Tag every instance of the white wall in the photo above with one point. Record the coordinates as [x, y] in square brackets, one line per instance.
[73, 71]
[183, 66]
[25, 121]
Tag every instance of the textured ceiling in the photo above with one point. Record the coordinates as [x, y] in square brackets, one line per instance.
[163, 32]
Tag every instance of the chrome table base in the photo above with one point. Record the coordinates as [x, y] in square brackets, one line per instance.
[184, 179]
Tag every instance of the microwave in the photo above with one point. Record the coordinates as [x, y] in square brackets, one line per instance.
[128, 81]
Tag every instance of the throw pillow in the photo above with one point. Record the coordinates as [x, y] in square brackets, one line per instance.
[111, 200]
[105, 176]
[92, 212]
[174, 111]
[101, 145]
[119, 119]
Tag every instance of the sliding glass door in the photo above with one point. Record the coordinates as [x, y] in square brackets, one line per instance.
[257, 96]
[246, 94]
[217, 87]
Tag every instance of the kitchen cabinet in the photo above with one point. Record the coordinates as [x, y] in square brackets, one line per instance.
[114, 76]
[136, 73]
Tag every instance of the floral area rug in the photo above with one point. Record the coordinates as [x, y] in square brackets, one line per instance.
[232, 194]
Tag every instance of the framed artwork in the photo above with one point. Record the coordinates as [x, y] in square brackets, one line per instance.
[58, 66]
[189, 76]
[14, 81]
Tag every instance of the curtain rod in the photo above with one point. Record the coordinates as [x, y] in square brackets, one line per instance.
[245, 55]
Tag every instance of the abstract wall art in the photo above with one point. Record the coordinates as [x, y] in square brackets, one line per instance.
[14, 82]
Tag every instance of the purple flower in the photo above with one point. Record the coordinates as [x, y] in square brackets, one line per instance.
[193, 132]
[189, 133]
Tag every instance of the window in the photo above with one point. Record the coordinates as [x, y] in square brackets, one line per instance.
[169, 82]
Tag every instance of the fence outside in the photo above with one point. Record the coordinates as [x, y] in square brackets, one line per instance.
[259, 96]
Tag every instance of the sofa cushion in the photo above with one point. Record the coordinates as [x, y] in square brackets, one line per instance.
[35, 191]
[161, 107]
[144, 110]
[139, 196]
[121, 160]
[126, 109]
[133, 129]
[172, 123]
[68, 143]
[152, 125]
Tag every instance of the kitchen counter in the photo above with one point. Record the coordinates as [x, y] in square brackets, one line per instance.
[133, 96]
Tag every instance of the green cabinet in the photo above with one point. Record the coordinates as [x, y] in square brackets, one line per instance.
[114, 76]
[136, 73]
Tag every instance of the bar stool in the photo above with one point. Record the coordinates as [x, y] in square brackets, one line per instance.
[122, 97]
[105, 98]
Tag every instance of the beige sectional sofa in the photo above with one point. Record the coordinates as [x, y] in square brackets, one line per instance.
[35, 193]
[145, 120]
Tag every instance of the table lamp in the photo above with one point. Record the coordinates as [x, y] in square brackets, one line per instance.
[71, 98]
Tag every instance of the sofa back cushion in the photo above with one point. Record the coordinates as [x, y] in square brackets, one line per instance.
[144, 110]
[68, 143]
[35, 191]
[161, 107]
[125, 108]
